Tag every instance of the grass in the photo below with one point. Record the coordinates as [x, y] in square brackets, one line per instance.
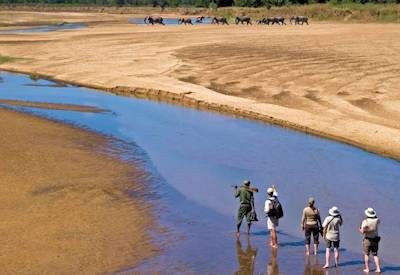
[4, 59]
[342, 11]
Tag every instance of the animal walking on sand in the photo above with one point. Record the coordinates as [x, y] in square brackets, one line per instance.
[218, 20]
[243, 19]
[200, 19]
[154, 20]
[299, 20]
[186, 21]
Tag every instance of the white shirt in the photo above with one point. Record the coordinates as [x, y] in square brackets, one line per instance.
[268, 202]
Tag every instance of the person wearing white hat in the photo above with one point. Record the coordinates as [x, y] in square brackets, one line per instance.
[331, 234]
[273, 211]
[369, 229]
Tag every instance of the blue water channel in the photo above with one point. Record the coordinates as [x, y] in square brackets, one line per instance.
[45, 28]
[195, 157]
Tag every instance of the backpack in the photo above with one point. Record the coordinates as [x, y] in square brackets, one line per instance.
[276, 211]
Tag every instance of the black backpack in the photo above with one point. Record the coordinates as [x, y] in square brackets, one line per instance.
[276, 211]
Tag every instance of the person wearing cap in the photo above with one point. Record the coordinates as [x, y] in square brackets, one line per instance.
[331, 227]
[246, 198]
[272, 221]
[369, 229]
[311, 225]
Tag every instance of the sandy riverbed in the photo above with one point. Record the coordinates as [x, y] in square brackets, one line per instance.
[65, 203]
[334, 80]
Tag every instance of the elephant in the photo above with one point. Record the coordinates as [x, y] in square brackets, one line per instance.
[185, 21]
[217, 20]
[243, 19]
[200, 19]
[299, 20]
[153, 20]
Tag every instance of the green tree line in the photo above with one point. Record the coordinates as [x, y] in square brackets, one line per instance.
[195, 3]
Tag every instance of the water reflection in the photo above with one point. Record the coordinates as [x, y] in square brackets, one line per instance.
[246, 258]
[272, 267]
[312, 266]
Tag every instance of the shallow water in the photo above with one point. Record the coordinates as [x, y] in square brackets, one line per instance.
[170, 21]
[45, 28]
[195, 157]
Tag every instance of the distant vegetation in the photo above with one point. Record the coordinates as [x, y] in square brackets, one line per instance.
[4, 59]
[197, 3]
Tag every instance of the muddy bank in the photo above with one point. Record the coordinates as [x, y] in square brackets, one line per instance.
[66, 203]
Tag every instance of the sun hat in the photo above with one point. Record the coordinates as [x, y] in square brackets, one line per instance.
[311, 200]
[370, 212]
[246, 182]
[334, 211]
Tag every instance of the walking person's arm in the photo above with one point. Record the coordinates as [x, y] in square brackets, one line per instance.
[303, 219]
[319, 219]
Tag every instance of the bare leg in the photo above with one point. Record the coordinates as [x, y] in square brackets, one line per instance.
[327, 252]
[315, 249]
[336, 257]
[307, 249]
[377, 264]
[274, 238]
[238, 229]
[248, 228]
[366, 261]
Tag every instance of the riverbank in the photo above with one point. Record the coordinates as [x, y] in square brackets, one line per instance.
[346, 12]
[66, 204]
[338, 81]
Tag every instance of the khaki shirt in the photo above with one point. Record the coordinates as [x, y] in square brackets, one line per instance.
[370, 227]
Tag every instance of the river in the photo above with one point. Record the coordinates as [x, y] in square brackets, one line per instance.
[195, 156]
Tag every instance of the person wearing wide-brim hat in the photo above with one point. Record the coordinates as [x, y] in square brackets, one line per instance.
[331, 233]
[369, 229]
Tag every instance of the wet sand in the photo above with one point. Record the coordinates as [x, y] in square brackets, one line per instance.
[52, 106]
[65, 202]
[334, 80]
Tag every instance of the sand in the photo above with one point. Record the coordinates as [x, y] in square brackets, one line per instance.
[65, 203]
[339, 81]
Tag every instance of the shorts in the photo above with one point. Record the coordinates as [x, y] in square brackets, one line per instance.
[311, 230]
[272, 223]
[370, 246]
[334, 244]
[244, 211]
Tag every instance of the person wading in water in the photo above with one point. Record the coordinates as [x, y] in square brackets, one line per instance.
[369, 229]
[246, 208]
[273, 210]
[311, 225]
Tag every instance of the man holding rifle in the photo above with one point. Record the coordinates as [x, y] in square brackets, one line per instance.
[246, 208]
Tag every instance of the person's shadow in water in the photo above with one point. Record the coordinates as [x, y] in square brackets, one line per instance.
[246, 258]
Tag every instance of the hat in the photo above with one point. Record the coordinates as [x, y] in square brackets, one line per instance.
[246, 182]
[370, 212]
[270, 190]
[311, 200]
[334, 211]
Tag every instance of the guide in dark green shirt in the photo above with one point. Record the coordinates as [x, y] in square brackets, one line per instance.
[246, 198]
